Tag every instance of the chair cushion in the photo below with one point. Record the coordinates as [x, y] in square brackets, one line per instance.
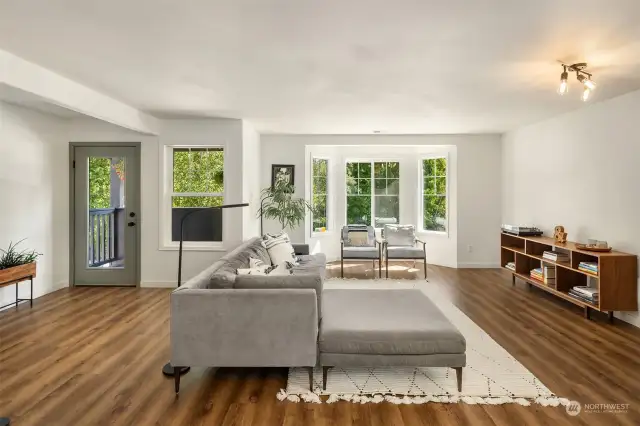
[360, 253]
[405, 252]
[358, 236]
[385, 322]
[400, 235]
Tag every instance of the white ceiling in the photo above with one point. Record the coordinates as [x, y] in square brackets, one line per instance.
[349, 66]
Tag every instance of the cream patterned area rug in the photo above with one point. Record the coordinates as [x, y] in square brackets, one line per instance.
[492, 375]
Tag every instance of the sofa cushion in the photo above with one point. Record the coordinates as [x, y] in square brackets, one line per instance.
[311, 264]
[224, 271]
[385, 322]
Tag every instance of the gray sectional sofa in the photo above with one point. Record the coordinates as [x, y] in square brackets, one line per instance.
[221, 319]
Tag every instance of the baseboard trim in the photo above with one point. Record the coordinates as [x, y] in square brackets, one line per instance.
[478, 265]
[628, 318]
[158, 284]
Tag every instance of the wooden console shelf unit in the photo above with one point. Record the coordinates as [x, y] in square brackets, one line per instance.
[616, 278]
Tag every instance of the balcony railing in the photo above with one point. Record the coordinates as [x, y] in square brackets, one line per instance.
[105, 236]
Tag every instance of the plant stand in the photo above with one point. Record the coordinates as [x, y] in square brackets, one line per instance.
[16, 275]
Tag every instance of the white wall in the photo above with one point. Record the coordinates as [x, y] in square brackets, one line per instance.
[250, 180]
[580, 170]
[477, 178]
[159, 265]
[34, 194]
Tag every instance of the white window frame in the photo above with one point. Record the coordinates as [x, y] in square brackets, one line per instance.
[421, 195]
[372, 162]
[313, 233]
[166, 172]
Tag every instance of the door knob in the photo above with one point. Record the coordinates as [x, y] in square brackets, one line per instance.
[131, 224]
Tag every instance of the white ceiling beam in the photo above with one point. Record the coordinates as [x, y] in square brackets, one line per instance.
[61, 91]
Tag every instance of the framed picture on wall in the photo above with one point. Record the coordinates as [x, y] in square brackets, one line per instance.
[282, 171]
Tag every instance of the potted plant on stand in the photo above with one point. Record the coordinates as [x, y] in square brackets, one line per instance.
[16, 266]
[279, 203]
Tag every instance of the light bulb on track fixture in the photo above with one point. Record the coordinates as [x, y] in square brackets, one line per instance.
[564, 86]
[590, 84]
[586, 94]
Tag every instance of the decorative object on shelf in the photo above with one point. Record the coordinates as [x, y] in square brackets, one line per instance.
[530, 231]
[17, 266]
[282, 172]
[559, 235]
[595, 248]
[582, 76]
[277, 202]
[168, 369]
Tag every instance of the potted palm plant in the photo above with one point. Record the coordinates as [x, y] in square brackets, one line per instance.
[16, 264]
[279, 203]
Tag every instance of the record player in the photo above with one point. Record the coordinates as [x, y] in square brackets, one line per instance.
[522, 231]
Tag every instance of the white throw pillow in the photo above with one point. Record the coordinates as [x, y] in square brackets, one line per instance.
[285, 268]
[279, 248]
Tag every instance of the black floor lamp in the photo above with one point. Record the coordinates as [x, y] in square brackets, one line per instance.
[168, 369]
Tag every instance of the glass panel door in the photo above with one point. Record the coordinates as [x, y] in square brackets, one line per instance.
[105, 215]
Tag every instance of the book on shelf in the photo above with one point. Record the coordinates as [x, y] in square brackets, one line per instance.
[555, 256]
[589, 266]
[582, 297]
[537, 274]
[587, 291]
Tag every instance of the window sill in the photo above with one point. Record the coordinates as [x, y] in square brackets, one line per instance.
[193, 247]
[441, 234]
[321, 234]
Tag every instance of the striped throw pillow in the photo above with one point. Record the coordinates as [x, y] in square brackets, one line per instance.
[279, 248]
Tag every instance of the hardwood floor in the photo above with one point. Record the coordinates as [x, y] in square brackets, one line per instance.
[93, 356]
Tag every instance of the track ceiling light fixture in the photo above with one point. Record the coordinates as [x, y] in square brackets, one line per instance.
[583, 77]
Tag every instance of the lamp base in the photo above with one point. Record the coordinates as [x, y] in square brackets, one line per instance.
[169, 371]
[4, 421]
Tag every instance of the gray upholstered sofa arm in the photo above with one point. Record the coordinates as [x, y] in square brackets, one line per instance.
[296, 281]
[244, 327]
[301, 249]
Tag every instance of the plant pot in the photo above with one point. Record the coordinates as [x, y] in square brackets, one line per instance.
[11, 275]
